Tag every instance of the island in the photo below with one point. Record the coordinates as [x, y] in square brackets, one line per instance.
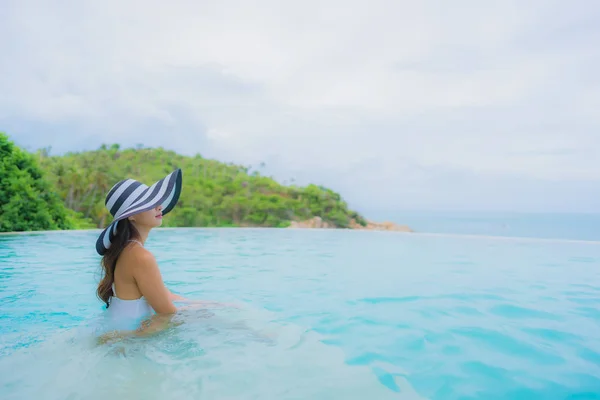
[40, 191]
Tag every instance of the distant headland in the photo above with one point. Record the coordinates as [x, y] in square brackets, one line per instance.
[318, 223]
[40, 191]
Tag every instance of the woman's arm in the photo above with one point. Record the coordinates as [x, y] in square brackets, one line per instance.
[207, 304]
[149, 280]
[176, 297]
[156, 323]
[203, 303]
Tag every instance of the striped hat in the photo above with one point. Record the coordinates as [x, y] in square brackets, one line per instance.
[129, 197]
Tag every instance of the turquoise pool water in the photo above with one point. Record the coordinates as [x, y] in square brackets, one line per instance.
[326, 315]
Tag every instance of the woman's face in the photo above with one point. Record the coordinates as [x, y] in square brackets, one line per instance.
[150, 218]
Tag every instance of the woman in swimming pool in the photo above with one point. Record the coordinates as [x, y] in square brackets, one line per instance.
[132, 285]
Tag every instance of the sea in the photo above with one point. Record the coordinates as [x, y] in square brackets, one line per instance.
[568, 226]
[462, 308]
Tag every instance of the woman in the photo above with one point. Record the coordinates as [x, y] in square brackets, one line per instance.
[132, 286]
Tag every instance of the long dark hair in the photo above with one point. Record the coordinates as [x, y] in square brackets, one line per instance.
[125, 231]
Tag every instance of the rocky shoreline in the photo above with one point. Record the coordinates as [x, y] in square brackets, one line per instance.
[312, 223]
[318, 223]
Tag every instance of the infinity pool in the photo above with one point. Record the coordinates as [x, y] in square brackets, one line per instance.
[326, 314]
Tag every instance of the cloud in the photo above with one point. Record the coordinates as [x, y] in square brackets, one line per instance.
[395, 103]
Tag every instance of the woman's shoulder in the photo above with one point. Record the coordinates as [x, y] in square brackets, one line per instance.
[137, 256]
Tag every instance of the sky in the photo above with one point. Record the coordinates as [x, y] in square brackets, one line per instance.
[397, 105]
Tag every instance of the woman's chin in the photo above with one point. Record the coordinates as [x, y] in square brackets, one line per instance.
[155, 224]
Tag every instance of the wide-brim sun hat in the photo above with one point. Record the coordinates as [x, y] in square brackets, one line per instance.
[129, 197]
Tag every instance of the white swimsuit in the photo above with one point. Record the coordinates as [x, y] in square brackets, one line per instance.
[128, 310]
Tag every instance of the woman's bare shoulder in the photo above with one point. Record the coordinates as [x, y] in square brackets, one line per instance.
[135, 256]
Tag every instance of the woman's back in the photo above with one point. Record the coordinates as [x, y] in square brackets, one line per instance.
[124, 279]
[127, 300]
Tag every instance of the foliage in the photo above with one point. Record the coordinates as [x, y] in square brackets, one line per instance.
[28, 202]
[214, 193]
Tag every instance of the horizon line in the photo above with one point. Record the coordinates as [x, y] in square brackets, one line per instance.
[422, 234]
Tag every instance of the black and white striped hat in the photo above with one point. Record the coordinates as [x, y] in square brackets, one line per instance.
[129, 197]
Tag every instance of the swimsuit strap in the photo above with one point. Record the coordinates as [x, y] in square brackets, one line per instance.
[136, 241]
[114, 293]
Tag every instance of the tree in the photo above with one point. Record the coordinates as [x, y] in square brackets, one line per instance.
[27, 201]
[214, 193]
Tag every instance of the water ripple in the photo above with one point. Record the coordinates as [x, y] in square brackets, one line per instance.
[328, 314]
[511, 311]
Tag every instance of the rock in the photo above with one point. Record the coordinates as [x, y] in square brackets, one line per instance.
[314, 223]
[318, 223]
[380, 226]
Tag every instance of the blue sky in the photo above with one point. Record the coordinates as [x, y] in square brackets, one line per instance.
[462, 105]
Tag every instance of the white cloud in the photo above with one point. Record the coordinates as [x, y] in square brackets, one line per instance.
[352, 94]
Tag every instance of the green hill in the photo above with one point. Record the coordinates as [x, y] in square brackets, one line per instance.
[28, 202]
[214, 194]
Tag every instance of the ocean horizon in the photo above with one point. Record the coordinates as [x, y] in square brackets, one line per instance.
[542, 225]
[525, 225]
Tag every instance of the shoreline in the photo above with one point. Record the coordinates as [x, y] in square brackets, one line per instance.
[312, 223]
[317, 222]
[418, 234]
[209, 227]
